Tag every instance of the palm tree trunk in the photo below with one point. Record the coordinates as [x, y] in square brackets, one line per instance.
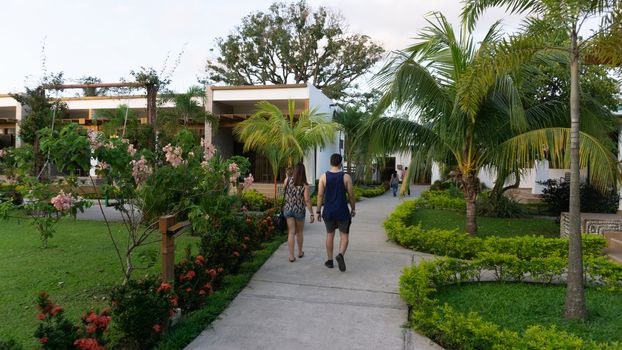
[575, 297]
[470, 186]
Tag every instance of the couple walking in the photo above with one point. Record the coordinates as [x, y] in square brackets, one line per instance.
[332, 189]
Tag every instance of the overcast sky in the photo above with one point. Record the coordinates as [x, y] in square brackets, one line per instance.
[109, 38]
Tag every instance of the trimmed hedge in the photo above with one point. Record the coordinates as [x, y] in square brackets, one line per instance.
[517, 259]
[460, 245]
[456, 330]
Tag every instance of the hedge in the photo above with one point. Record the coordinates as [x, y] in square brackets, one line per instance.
[517, 259]
[455, 330]
[460, 245]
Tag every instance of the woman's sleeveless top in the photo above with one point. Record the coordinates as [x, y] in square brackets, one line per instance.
[335, 201]
[294, 198]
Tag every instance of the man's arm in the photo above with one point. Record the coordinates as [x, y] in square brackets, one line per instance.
[320, 196]
[350, 188]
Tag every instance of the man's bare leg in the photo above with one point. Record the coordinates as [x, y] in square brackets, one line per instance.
[330, 239]
[343, 242]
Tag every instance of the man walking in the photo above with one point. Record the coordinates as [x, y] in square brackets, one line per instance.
[332, 194]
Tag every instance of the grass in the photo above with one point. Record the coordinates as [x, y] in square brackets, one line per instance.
[515, 306]
[78, 270]
[501, 227]
[193, 324]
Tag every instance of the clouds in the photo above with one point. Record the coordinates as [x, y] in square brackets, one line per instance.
[109, 38]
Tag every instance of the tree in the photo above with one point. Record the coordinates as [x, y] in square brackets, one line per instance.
[124, 123]
[92, 91]
[469, 115]
[351, 118]
[187, 110]
[285, 137]
[603, 46]
[41, 113]
[294, 43]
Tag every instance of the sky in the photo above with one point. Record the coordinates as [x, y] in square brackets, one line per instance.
[108, 39]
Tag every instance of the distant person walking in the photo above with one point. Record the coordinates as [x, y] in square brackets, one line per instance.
[333, 186]
[296, 199]
[394, 183]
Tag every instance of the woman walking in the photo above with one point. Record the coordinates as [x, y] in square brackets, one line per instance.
[297, 197]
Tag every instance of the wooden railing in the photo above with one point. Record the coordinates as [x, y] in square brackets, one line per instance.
[170, 229]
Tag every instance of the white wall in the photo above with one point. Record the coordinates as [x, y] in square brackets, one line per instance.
[323, 104]
[259, 94]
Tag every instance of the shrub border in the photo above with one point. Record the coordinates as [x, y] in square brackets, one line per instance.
[492, 259]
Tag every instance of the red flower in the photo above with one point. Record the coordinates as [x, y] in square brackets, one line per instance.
[200, 260]
[56, 310]
[113, 302]
[171, 312]
[248, 221]
[236, 254]
[220, 270]
[88, 344]
[103, 321]
[190, 275]
[164, 287]
[208, 286]
[188, 290]
[157, 328]
[201, 292]
[91, 328]
[43, 294]
[246, 238]
[43, 340]
[212, 273]
[174, 301]
[91, 317]
[41, 317]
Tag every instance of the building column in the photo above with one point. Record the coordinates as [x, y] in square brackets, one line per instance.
[541, 169]
[208, 105]
[19, 111]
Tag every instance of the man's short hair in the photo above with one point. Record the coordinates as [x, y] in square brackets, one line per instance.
[335, 159]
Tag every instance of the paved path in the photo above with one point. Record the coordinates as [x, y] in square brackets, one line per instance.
[304, 305]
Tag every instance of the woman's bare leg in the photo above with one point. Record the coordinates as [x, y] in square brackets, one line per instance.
[300, 225]
[291, 232]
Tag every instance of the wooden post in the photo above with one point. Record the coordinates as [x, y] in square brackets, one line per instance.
[168, 248]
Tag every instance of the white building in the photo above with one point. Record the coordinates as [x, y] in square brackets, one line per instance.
[231, 104]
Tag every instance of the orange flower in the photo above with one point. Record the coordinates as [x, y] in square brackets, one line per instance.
[190, 275]
[157, 328]
[236, 254]
[41, 317]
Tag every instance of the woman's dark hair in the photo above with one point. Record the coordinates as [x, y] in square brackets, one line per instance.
[300, 175]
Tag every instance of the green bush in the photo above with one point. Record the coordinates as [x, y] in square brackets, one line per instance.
[460, 245]
[499, 206]
[254, 201]
[141, 312]
[442, 200]
[10, 344]
[370, 192]
[455, 330]
[557, 196]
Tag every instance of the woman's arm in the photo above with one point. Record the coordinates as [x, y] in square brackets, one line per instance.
[308, 203]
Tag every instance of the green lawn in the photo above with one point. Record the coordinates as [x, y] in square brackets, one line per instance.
[78, 270]
[515, 306]
[449, 219]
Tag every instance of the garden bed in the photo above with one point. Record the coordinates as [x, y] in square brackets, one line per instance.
[78, 269]
[516, 306]
[487, 226]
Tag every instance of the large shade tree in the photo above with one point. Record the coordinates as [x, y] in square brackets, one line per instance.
[601, 46]
[285, 138]
[294, 43]
[470, 115]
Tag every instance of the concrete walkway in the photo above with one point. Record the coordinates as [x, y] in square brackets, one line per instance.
[304, 305]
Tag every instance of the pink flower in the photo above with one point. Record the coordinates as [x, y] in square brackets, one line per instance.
[131, 150]
[62, 201]
[209, 150]
[248, 181]
[94, 139]
[141, 170]
[173, 155]
[101, 166]
[234, 170]
[2, 153]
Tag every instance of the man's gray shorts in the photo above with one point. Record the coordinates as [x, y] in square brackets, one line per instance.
[332, 225]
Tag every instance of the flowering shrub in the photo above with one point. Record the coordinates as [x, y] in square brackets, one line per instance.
[141, 311]
[54, 332]
[195, 281]
[248, 181]
[173, 155]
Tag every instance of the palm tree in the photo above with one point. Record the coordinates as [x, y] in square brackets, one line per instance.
[351, 118]
[469, 119]
[187, 110]
[603, 46]
[284, 136]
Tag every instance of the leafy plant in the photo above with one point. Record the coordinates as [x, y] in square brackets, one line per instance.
[54, 332]
[556, 195]
[499, 206]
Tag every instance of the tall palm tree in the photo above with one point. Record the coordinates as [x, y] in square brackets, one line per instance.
[285, 137]
[351, 118]
[603, 46]
[468, 119]
[187, 110]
